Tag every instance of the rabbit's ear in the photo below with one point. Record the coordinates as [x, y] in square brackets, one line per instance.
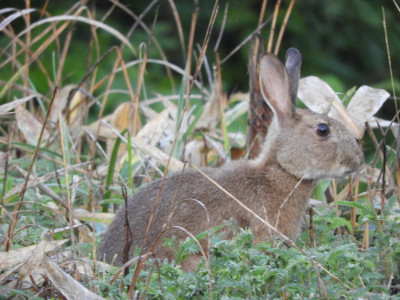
[274, 84]
[293, 66]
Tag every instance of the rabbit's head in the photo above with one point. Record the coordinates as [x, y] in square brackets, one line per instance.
[306, 144]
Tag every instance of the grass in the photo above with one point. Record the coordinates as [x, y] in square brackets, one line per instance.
[113, 111]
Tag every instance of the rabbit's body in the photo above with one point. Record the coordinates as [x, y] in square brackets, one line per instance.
[250, 187]
[301, 148]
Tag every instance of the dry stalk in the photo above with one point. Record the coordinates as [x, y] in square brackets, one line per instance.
[283, 27]
[14, 220]
[273, 25]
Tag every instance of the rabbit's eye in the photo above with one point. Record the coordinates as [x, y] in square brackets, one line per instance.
[323, 130]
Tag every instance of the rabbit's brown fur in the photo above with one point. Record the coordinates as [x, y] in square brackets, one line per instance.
[295, 156]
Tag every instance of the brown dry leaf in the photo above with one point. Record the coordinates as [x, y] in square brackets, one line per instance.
[69, 287]
[74, 111]
[157, 131]
[29, 126]
[158, 128]
[212, 111]
[122, 118]
[60, 103]
[158, 155]
[34, 260]
[195, 152]
[77, 109]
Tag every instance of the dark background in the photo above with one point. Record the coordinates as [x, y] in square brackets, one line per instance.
[341, 41]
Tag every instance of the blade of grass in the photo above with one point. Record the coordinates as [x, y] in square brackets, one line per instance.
[389, 59]
[170, 66]
[111, 169]
[141, 75]
[96, 23]
[224, 128]
[65, 153]
[197, 116]
[205, 43]
[13, 78]
[11, 129]
[8, 20]
[25, 76]
[179, 117]
[179, 27]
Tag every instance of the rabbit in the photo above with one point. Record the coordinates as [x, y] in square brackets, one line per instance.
[301, 147]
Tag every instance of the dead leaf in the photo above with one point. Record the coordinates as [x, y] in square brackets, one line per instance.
[29, 126]
[5, 108]
[195, 152]
[158, 155]
[212, 110]
[161, 126]
[20, 256]
[34, 260]
[321, 98]
[73, 110]
[69, 287]
[122, 118]
[366, 102]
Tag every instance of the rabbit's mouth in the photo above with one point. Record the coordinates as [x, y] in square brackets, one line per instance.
[336, 173]
[347, 171]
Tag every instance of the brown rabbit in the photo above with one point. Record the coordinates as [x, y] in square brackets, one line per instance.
[301, 147]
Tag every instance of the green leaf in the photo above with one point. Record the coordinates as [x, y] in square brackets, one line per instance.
[111, 168]
[365, 207]
[336, 222]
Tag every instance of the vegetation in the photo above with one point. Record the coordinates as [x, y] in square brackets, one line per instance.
[98, 96]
